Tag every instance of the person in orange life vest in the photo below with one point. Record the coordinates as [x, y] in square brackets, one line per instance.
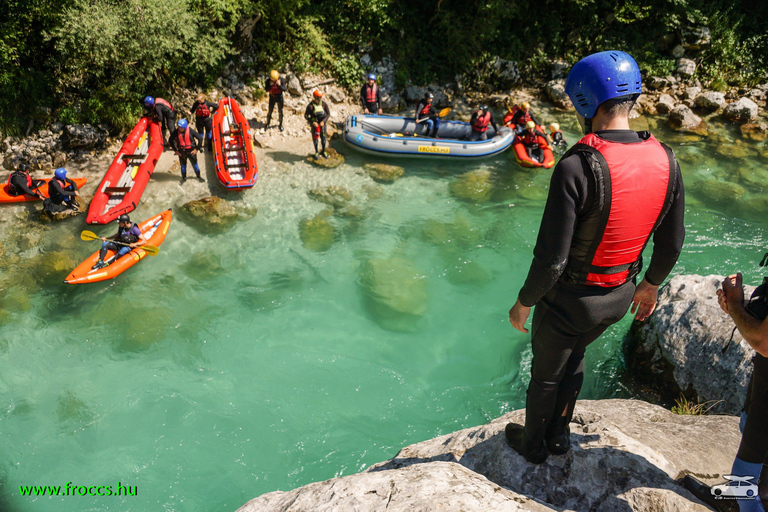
[370, 95]
[62, 192]
[203, 111]
[186, 142]
[522, 116]
[161, 111]
[426, 110]
[275, 86]
[534, 141]
[317, 114]
[20, 182]
[479, 122]
[608, 196]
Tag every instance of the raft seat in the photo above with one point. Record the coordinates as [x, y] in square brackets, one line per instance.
[235, 148]
[232, 166]
[141, 157]
[117, 190]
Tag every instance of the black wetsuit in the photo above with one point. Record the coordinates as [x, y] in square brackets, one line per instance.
[62, 194]
[185, 152]
[317, 114]
[374, 107]
[275, 98]
[754, 439]
[18, 184]
[163, 115]
[204, 123]
[568, 317]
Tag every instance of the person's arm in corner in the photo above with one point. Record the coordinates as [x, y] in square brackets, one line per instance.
[731, 300]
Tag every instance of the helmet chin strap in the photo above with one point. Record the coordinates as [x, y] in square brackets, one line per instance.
[587, 125]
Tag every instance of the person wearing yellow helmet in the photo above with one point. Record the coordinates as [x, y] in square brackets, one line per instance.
[317, 114]
[275, 86]
[534, 141]
[522, 116]
[203, 111]
[370, 95]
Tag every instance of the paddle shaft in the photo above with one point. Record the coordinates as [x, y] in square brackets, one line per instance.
[149, 249]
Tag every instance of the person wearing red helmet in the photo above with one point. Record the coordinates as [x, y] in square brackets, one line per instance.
[612, 193]
[317, 114]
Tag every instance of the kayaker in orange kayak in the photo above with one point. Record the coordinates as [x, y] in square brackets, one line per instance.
[127, 237]
[20, 182]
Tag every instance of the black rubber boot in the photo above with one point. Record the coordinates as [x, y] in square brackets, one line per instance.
[533, 451]
[704, 493]
[558, 437]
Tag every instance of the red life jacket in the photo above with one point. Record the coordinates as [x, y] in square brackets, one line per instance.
[274, 89]
[633, 193]
[370, 93]
[202, 110]
[425, 111]
[482, 122]
[13, 188]
[161, 101]
[531, 139]
[185, 141]
[524, 117]
[510, 114]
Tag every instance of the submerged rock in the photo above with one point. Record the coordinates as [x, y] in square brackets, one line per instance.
[384, 173]
[333, 195]
[474, 186]
[625, 455]
[316, 233]
[210, 214]
[683, 346]
[395, 293]
[754, 131]
[742, 111]
[720, 191]
[334, 159]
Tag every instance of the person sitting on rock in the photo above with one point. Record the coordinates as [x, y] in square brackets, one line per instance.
[186, 142]
[275, 86]
[203, 111]
[62, 193]
[161, 111]
[317, 114]
[751, 319]
[479, 122]
[370, 95]
[20, 182]
[426, 110]
[128, 236]
[534, 141]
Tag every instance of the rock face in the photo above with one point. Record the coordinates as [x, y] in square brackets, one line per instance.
[742, 111]
[685, 345]
[682, 119]
[625, 456]
[84, 136]
[556, 92]
[384, 173]
[210, 214]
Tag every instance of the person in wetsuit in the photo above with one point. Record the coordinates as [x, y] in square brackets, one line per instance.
[203, 111]
[20, 182]
[317, 114]
[426, 110]
[186, 142]
[128, 235]
[370, 96]
[479, 122]
[161, 111]
[532, 139]
[751, 319]
[556, 136]
[62, 192]
[585, 262]
[275, 86]
[522, 117]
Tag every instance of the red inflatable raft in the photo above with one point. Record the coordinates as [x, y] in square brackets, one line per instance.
[233, 147]
[120, 190]
[152, 230]
[6, 197]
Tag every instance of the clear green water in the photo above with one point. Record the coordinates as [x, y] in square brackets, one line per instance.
[237, 364]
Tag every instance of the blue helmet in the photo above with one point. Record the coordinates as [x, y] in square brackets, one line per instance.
[60, 173]
[371, 77]
[602, 76]
[149, 101]
[182, 123]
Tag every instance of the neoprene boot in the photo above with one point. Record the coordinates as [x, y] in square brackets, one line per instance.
[558, 437]
[532, 450]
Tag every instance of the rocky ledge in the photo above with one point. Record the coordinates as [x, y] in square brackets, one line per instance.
[626, 455]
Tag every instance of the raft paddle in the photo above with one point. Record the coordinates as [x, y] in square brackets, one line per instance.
[442, 113]
[149, 249]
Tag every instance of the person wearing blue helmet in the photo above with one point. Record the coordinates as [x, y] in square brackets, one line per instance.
[186, 142]
[609, 195]
[62, 193]
[370, 96]
[161, 111]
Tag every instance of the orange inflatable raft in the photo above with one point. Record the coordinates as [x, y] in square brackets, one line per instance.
[6, 197]
[542, 157]
[152, 230]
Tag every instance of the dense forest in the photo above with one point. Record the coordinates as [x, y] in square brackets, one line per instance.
[90, 60]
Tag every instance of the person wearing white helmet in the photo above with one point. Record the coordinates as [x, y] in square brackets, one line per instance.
[275, 86]
[612, 193]
[370, 96]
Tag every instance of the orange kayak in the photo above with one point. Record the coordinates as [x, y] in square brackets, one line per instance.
[6, 197]
[153, 231]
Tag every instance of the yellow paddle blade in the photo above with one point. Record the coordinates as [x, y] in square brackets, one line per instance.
[444, 112]
[89, 235]
[149, 249]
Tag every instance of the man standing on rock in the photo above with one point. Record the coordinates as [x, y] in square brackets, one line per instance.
[751, 319]
[608, 195]
[317, 114]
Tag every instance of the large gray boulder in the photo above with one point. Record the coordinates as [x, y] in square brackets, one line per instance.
[84, 136]
[506, 71]
[665, 104]
[682, 119]
[684, 346]
[556, 92]
[742, 111]
[625, 455]
[695, 37]
[685, 67]
[294, 85]
[710, 101]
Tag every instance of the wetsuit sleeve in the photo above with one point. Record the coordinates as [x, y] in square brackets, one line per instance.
[267, 85]
[173, 140]
[195, 134]
[194, 107]
[213, 107]
[669, 236]
[308, 113]
[419, 107]
[568, 194]
[283, 86]
[72, 183]
[517, 116]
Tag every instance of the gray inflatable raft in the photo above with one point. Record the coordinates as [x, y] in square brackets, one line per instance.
[387, 135]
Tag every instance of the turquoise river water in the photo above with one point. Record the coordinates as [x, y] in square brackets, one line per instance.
[241, 363]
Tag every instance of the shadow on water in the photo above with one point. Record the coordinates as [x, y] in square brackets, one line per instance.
[285, 157]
